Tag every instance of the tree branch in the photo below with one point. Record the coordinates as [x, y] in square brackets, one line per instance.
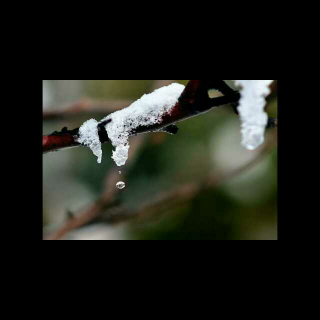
[194, 101]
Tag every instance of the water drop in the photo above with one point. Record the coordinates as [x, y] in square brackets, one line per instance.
[120, 185]
[119, 172]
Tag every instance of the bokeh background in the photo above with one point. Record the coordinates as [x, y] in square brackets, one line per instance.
[240, 205]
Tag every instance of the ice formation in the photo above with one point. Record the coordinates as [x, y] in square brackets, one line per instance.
[251, 109]
[88, 136]
[146, 111]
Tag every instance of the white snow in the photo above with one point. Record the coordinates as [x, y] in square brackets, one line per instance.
[88, 136]
[251, 110]
[146, 111]
[150, 108]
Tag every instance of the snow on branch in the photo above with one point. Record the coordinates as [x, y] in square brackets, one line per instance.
[193, 101]
[162, 110]
[147, 111]
[254, 119]
[88, 136]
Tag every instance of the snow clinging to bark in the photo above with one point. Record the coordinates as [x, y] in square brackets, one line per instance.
[251, 109]
[146, 111]
[151, 108]
[88, 136]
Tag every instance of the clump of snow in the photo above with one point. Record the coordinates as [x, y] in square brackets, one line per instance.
[251, 109]
[146, 111]
[88, 136]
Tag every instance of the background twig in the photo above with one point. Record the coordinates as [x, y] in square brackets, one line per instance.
[84, 108]
[181, 194]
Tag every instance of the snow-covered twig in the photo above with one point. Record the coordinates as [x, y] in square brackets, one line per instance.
[193, 101]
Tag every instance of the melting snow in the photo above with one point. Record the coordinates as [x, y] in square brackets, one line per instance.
[146, 111]
[88, 136]
[251, 110]
[150, 108]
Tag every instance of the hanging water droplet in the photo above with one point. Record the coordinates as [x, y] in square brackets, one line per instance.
[120, 185]
[119, 172]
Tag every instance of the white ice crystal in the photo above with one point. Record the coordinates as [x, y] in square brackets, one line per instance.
[251, 109]
[88, 136]
[146, 111]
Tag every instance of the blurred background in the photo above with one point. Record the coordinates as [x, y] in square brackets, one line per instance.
[199, 184]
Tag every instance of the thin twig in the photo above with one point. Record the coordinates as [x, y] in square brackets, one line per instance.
[85, 107]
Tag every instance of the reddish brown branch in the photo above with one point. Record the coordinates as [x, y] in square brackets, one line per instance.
[55, 143]
[60, 140]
